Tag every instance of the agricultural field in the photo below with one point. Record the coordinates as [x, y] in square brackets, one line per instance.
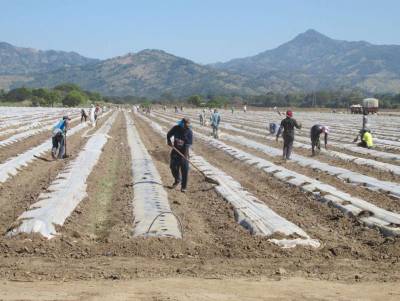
[107, 211]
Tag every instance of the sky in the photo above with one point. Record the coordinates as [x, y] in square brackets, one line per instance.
[204, 31]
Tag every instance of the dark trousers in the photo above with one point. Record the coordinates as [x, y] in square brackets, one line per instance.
[179, 166]
[315, 143]
[83, 117]
[363, 144]
[58, 144]
[287, 146]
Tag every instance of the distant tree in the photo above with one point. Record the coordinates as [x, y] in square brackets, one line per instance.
[195, 100]
[94, 96]
[53, 97]
[18, 94]
[67, 87]
[41, 92]
[217, 102]
[74, 98]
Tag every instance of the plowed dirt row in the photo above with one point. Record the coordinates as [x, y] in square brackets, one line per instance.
[377, 198]
[96, 242]
[20, 191]
[25, 144]
[342, 237]
[366, 170]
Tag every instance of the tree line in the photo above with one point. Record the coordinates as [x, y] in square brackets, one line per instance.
[321, 99]
[72, 95]
[69, 95]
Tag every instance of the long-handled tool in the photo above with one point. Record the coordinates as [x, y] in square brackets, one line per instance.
[206, 178]
[65, 146]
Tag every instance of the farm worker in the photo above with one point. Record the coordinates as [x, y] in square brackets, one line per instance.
[83, 115]
[183, 139]
[232, 109]
[316, 131]
[164, 108]
[365, 126]
[215, 120]
[58, 137]
[176, 109]
[366, 139]
[92, 116]
[287, 125]
[245, 108]
[201, 118]
[365, 123]
[96, 112]
[273, 128]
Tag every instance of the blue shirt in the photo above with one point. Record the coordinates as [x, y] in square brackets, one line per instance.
[215, 119]
[60, 125]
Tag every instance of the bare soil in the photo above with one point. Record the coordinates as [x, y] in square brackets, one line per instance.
[96, 244]
[198, 289]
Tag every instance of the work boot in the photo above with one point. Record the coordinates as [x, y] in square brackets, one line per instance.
[176, 183]
[183, 190]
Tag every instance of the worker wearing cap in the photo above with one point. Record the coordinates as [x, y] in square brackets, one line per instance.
[287, 125]
[179, 165]
[58, 137]
[316, 131]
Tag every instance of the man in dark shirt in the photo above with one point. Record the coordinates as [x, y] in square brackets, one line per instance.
[287, 125]
[316, 131]
[183, 139]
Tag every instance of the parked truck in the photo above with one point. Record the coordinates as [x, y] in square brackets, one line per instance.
[369, 105]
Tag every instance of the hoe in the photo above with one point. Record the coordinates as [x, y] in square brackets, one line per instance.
[206, 178]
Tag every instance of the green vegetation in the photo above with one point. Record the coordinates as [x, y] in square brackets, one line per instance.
[65, 95]
[322, 99]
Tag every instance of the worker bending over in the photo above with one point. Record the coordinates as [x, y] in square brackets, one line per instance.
[58, 138]
[183, 139]
[366, 139]
[287, 125]
[316, 131]
[83, 115]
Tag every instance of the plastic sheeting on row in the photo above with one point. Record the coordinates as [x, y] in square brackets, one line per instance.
[33, 124]
[250, 212]
[373, 216]
[24, 135]
[368, 182]
[153, 215]
[395, 169]
[66, 191]
[387, 167]
[351, 147]
[21, 116]
[339, 172]
[11, 167]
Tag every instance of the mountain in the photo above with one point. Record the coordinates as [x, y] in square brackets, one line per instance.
[310, 61]
[314, 61]
[149, 73]
[22, 61]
